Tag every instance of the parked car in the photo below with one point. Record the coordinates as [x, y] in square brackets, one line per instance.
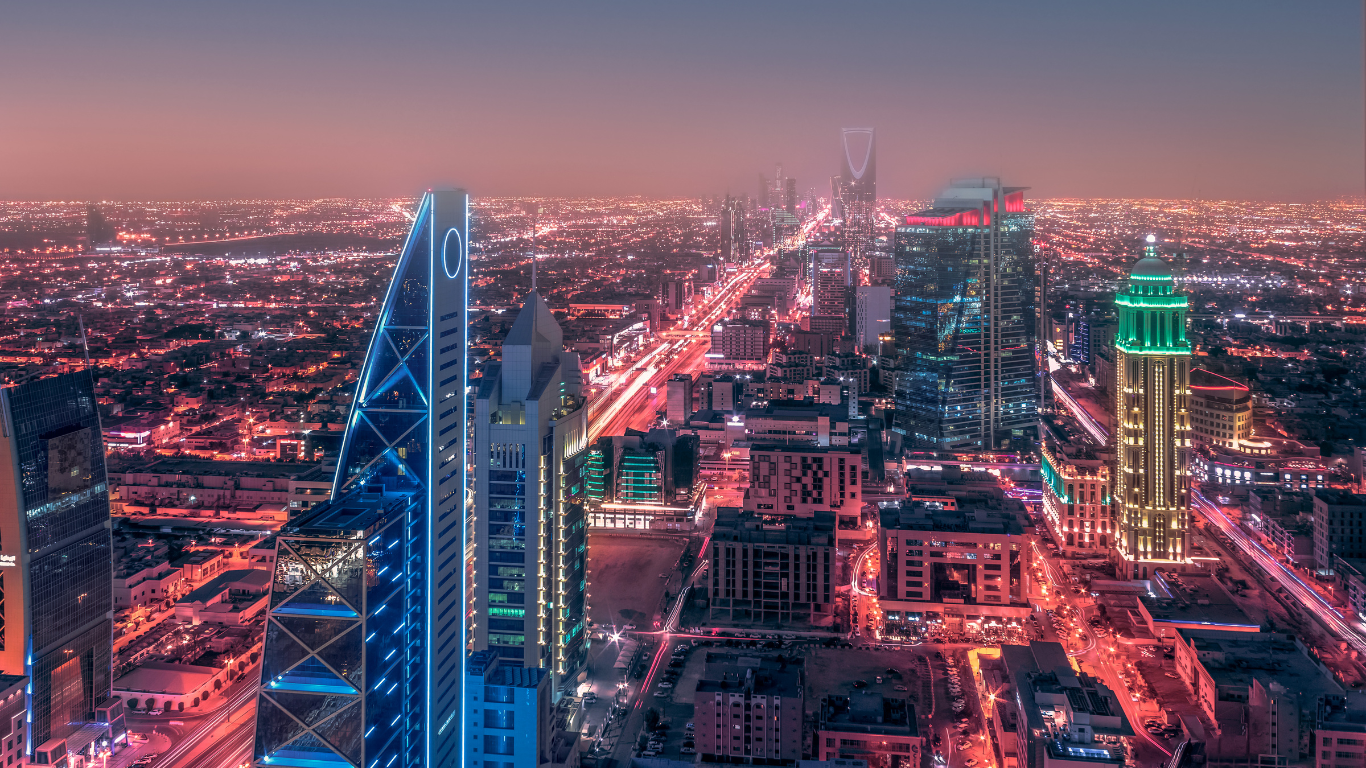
[688, 751]
[665, 684]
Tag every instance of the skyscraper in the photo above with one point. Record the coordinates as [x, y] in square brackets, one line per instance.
[734, 238]
[858, 190]
[56, 596]
[963, 320]
[366, 639]
[831, 277]
[872, 314]
[529, 417]
[1153, 439]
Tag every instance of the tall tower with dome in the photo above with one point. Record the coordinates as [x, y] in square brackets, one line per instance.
[1152, 436]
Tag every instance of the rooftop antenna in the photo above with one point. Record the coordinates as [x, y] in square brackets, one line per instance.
[85, 345]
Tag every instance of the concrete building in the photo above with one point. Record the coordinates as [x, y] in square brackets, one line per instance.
[1220, 409]
[1339, 528]
[638, 481]
[1264, 462]
[792, 366]
[1153, 441]
[749, 710]
[1190, 601]
[529, 420]
[739, 340]
[872, 315]
[1261, 692]
[798, 422]
[1047, 714]
[832, 278]
[678, 399]
[874, 727]
[772, 573]
[510, 713]
[964, 567]
[1077, 505]
[798, 481]
[13, 744]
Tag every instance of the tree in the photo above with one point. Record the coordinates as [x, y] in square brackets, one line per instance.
[651, 718]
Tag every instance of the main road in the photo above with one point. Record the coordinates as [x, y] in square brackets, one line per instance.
[636, 395]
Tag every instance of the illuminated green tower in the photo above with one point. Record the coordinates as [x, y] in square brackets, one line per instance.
[1153, 444]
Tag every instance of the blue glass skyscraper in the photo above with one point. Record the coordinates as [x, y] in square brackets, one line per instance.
[365, 648]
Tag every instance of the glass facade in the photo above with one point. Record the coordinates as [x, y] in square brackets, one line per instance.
[366, 636]
[60, 536]
[964, 320]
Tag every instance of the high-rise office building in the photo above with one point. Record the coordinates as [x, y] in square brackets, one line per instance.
[872, 314]
[678, 399]
[56, 596]
[858, 190]
[963, 320]
[831, 277]
[529, 417]
[366, 637]
[790, 195]
[513, 728]
[734, 235]
[1153, 441]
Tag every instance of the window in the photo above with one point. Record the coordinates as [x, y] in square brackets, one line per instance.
[498, 745]
[502, 719]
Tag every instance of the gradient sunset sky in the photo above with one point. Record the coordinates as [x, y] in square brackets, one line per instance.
[1221, 99]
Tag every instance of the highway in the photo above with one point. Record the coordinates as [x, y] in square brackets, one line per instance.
[218, 753]
[629, 403]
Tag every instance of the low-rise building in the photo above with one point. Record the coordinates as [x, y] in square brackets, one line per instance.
[1190, 601]
[749, 710]
[965, 567]
[1220, 409]
[233, 597]
[798, 422]
[1051, 714]
[1339, 528]
[876, 728]
[1262, 693]
[772, 573]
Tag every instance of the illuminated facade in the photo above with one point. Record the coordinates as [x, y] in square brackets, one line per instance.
[529, 420]
[1153, 442]
[56, 595]
[858, 190]
[963, 319]
[367, 630]
[1076, 490]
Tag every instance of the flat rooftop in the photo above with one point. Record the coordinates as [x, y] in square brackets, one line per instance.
[180, 466]
[1192, 599]
[1238, 658]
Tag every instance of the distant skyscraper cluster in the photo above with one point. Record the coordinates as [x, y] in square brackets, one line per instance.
[856, 191]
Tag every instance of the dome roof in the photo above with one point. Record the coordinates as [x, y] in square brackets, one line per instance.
[1151, 266]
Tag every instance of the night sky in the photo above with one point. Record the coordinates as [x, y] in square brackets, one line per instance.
[1220, 99]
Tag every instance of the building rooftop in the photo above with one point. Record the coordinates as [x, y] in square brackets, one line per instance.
[353, 515]
[734, 524]
[179, 466]
[254, 580]
[1192, 599]
[485, 664]
[920, 516]
[866, 712]
[1238, 658]
[736, 674]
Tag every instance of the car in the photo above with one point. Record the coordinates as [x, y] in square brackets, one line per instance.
[902, 688]
[969, 762]
[144, 760]
[1171, 675]
[661, 694]
[655, 745]
[665, 684]
[689, 727]
[964, 744]
[649, 753]
[688, 751]
[860, 683]
[154, 712]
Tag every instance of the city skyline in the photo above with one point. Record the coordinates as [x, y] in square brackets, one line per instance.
[1167, 100]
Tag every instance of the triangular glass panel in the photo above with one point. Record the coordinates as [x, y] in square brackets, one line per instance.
[318, 600]
[363, 446]
[274, 727]
[417, 366]
[291, 574]
[347, 577]
[310, 676]
[343, 732]
[399, 391]
[381, 365]
[311, 708]
[412, 290]
[281, 652]
[309, 750]
[405, 339]
[314, 632]
[344, 655]
[392, 425]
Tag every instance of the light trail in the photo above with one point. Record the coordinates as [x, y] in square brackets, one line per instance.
[1089, 424]
[193, 741]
